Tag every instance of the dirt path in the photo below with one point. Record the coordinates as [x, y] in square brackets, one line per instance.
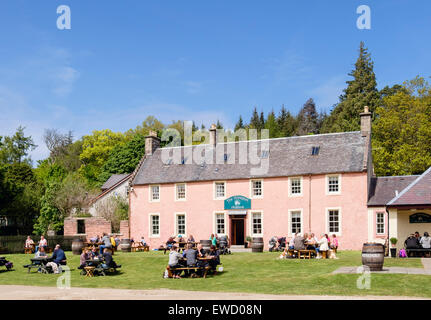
[52, 293]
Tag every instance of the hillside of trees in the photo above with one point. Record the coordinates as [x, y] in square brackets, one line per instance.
[37, 197]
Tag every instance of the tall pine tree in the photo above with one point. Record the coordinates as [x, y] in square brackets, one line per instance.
[308, 119]
[361, 91]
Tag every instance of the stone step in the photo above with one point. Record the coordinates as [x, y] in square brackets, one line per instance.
[239, 248]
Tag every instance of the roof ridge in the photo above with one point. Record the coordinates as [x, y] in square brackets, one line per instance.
[411, 185]
[258, 140]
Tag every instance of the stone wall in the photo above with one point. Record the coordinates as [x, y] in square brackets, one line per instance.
[93, 227]
[124, 229]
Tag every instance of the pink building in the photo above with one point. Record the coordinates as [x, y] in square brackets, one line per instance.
[316, 183]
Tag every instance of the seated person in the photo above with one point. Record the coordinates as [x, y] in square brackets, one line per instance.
[215, 255]
[181, 242]
[190, 239]
[143, 242]
[29, 243]
[412, 242]
[117, 241]
[106, 243]
[40, 253]
[299, 242]
[292, 242]
[323, 245]
[174, 261]
[171, 241]
[58, 256]
[201, 252]
[94, 239]
[191, 255]
[109, 261]
[311, 243]
[85, 255]
[42, 243]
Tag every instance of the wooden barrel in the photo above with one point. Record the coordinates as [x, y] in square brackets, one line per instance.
[257, 245]
[206, 244]
[373, 256]
[125, 245]
[77, 245]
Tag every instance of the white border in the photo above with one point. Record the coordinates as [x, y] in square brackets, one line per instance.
[176, 214]
[214, 190]
[340, 220]
[251, 223]
[289, 224]
[384, 223]
[150, 225]
[215, 213]
[327, 184]
[251, 189]
[150, 192]
[292, 195]
[176, 193]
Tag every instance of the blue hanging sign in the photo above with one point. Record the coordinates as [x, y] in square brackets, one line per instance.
[237, 203]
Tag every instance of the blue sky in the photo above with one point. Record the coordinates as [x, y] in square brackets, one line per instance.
[192, 60]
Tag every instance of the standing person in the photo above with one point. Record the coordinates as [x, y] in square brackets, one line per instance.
[174, 257]
[334, 243]
[106, 243]
[213, 240]
[323, 245]
[425, 242]
[418, 236]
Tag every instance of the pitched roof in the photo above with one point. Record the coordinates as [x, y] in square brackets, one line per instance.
[416, 193]
[113, 180]
[384, 189]
[339, 152]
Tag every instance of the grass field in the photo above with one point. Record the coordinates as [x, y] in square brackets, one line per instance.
[243, 272]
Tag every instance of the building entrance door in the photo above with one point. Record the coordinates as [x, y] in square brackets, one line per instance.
[237, 230]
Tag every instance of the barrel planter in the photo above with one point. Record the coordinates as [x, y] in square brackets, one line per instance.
[257, 245]
[206, 244]
[125, 245]
[77, 245]
[373, 256]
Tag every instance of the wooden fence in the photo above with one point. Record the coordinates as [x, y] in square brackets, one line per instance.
[15, 244]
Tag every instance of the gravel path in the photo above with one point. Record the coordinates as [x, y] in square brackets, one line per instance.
[52, 293]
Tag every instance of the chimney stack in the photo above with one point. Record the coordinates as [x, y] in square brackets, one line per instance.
[366, 122]
[152, 142]
[213, 135]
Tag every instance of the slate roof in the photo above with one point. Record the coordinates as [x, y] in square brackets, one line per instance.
[113, 180]
[338, 153]
[416, 193]
[383, 189]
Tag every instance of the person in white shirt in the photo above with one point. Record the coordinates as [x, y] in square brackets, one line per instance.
[425, 241]
[323, 245]
[42, 243]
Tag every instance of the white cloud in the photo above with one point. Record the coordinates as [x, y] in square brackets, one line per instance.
[326, 94]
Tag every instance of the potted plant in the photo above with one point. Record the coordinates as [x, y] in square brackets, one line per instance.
[393, 249]
[247, 241]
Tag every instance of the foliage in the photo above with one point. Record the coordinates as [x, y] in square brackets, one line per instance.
[308, 119]
[114, 209]
[402, 131]
[15, 149]
[360, 92]
[393, 240]
[50, 217]
[123, 158]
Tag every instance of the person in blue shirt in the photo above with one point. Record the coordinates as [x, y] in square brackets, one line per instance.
[58, 256]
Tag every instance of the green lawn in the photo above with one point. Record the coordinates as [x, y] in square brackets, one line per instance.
[243, 272]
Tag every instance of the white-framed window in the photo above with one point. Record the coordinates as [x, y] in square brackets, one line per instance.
[154, 225]
[333, 184]
[220, 223]
[256, 189]
[333, 221]
[295, 186]
[180, 192]
[295, 221]
[155, 193]
[380, 223]
[257, 224]
[219, 190]
[180, 224]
